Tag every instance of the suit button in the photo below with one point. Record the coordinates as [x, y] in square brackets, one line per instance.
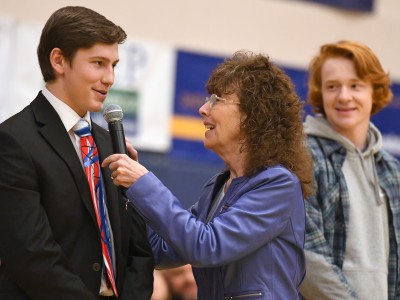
[96, 267]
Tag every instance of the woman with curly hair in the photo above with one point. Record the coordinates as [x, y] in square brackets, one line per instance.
[245, 235]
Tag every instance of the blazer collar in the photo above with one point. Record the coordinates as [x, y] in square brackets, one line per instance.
[54, 132]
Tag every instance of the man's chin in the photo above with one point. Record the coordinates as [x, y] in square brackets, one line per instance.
[97, 108]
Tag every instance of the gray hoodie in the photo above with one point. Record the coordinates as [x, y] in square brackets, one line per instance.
[367, 245]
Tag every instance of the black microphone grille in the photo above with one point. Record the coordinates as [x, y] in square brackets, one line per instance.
[112, 113]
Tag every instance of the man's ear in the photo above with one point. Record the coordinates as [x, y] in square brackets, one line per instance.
[57, 61]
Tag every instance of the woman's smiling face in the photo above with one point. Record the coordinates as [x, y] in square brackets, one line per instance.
[222, 122]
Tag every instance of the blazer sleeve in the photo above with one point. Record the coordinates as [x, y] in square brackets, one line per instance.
[218, 242]
[29, 254]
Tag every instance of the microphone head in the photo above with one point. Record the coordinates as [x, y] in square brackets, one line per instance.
[112, 113]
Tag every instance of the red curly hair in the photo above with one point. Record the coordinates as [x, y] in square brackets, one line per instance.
[367, 66]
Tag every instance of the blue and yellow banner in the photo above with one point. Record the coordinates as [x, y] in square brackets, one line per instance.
[192, 72]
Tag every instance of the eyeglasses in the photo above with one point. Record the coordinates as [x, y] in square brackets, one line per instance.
[213, 99]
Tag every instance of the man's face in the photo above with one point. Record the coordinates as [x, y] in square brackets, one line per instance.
[347, 99]
[88, 77]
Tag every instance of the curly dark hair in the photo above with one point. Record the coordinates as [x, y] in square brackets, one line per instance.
[367, 66]
[71, 28]
[272, 123]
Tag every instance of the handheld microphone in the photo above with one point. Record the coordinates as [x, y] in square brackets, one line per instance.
[113, 115]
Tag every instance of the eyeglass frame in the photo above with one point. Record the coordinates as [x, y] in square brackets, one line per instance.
[213, 99]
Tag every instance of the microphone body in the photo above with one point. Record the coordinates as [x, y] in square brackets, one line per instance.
[113, 115]
[116, 129]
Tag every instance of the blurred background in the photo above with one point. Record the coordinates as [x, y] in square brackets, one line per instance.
[172, 47]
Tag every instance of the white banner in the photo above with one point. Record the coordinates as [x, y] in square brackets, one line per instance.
[20, 77]
[144, 88]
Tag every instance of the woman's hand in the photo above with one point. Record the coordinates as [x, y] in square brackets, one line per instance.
[124, 170]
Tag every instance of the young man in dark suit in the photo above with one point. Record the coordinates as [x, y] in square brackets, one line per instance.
[50, 238]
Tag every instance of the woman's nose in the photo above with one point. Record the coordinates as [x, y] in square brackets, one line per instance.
[204, 110]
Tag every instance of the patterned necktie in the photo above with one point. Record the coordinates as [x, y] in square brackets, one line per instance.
[93, 175]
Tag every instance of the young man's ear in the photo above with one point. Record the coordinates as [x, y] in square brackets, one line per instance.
[57, 61]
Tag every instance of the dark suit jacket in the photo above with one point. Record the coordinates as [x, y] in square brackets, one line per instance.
[49, 240]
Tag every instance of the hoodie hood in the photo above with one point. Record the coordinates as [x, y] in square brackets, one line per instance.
[320, 127]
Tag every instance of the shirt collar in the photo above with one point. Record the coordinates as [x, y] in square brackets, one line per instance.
[67, 115]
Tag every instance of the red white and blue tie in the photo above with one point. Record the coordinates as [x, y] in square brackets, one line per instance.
[93, 173]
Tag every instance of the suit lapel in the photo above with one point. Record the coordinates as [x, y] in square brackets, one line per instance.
[116, 212]
[53, 131]
[104, 147]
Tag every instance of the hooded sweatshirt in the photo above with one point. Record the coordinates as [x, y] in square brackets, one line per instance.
[367, 244]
